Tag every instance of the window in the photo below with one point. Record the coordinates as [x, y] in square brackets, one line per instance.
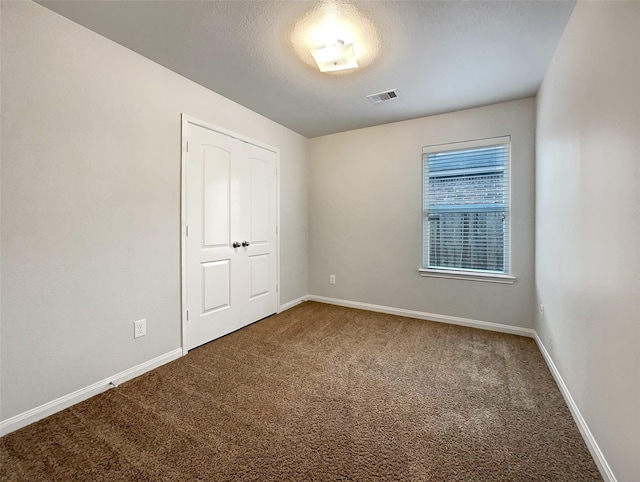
[465, 228]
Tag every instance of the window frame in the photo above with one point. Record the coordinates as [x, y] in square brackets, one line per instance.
[467, 274]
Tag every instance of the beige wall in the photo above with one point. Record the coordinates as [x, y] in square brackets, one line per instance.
[91, 204]
[588, 222]
[365, 210]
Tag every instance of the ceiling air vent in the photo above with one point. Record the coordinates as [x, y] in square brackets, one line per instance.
[383, 96]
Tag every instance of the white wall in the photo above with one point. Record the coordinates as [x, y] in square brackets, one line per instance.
[366, 206]
[588, 222]
[91, 204]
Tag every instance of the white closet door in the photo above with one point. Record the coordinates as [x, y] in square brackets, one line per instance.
[231, 244]
[259, 230]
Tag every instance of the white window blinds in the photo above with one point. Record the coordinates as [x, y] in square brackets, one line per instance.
[466, 207]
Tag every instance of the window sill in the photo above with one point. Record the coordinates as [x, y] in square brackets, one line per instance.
[469, 276]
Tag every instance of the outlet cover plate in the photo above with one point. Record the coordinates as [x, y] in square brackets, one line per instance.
[139, 328]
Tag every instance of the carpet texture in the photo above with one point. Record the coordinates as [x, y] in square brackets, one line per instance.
[321, 392]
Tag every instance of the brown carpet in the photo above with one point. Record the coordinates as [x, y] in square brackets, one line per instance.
[321, 392]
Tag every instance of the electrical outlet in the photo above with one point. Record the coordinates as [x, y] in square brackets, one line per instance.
[139, 328]
[332, 279]
[541, 312]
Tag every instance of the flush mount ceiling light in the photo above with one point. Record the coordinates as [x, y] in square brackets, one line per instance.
[335, 37]
[335, 56]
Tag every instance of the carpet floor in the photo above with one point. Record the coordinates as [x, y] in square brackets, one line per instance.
[321, 392]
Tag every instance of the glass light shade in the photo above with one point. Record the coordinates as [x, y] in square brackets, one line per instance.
[336, 56]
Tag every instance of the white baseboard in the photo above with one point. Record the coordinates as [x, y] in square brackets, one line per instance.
[291, 304]
[23, 419]
[589, 439]
[421, 315]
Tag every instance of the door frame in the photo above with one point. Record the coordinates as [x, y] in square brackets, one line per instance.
[185, 120]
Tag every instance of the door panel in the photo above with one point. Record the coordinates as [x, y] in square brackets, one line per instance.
[215, 209]
[260, 201]
[230, 197]
[259, 275]
[216, 285]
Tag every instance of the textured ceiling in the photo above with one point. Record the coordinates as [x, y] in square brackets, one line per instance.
[441, 55]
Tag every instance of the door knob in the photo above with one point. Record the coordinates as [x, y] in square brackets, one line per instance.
[236, 244]
[245, 243]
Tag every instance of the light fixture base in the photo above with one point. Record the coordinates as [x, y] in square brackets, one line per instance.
[335, 56]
